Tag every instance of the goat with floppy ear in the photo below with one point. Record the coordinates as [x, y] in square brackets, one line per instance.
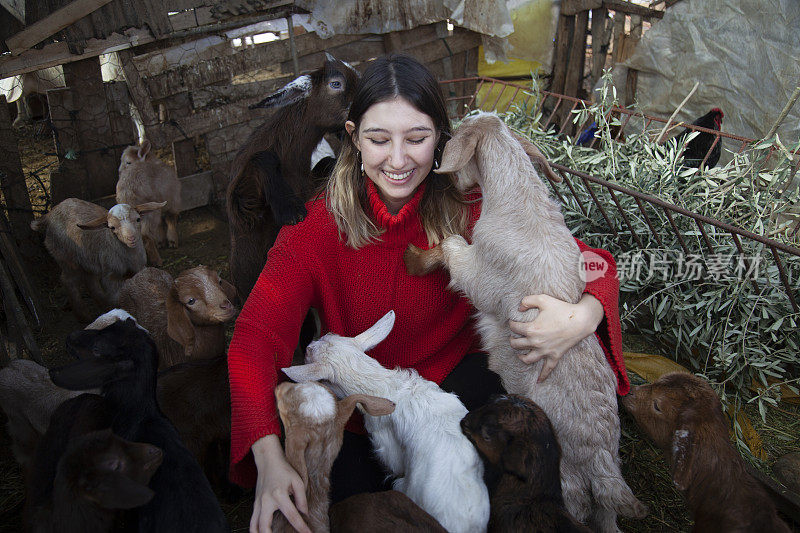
[517, 442]
[683, 415]
[314, 425]
[270, 176]
[186, 315]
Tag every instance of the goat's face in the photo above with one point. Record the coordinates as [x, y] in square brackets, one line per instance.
[111, 472]
[333, 88]
[205, 296]
[672, 404]
[334, 358]
[124, 221]
[106, 355]
[308, 403]
[513, 433]
[133, 155]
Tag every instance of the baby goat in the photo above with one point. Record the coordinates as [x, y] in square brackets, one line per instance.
[683, 415]
[515, 437]
[94, 247]
[420, 442]
[388, 511]
[314, 425]
[186, 316]
[122, 360]
[270, 177]
[521, 246]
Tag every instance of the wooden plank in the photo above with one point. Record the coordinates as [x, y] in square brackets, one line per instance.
[458, 42]
[16, 8]
[92, 125]
[192, 18]
[141, 98]
[618, 37]
[392, 42]
[58, 53]
[16, 315]
[577, 56]
[600, 39]
[632, 9]
[220, 69]
[12, 179]
[33, 251]
[52, 23]
[351, 52]
[566, 25]
[573, 7]
[224, 94]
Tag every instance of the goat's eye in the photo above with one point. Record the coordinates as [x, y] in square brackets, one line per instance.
[190, 301]
[138, 219]
[335, 84]
[656, 407]
[485, 434]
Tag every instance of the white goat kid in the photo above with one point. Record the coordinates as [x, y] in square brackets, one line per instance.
[522, 246]
[421, 442]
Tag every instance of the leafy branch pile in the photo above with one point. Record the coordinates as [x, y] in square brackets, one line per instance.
[723, 314]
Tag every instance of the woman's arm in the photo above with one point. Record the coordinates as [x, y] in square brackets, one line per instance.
[561, 325]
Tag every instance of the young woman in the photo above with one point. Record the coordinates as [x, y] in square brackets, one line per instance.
[345, 260]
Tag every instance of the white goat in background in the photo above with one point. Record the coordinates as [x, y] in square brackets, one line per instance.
[421, 442]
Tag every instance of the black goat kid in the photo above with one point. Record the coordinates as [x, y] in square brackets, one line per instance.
[122, 360]
[522, 457]
[271, 175]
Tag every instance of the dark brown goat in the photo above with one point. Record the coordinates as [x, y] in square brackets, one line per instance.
[389, 511]
[522, 457]
[683, 415]
[271, 175]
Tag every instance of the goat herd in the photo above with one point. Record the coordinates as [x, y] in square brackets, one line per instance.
[136, 431]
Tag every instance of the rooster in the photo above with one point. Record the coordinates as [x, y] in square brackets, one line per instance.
[697, 148]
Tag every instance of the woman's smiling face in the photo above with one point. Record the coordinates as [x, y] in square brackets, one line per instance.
[397, 143]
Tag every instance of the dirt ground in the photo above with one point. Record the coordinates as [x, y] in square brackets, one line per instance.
[204, 240]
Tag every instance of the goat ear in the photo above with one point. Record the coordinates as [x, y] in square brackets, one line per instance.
[514, 459]
[683, 457]
[292, 92]
[97, 223]
[115, 491]
[375, 334]
[295, 447]
[179, 326]
[458, 151]
[149, 206]
[373, 405]
[308, 372]
[537, 158]
[144, 149]
[229, 290]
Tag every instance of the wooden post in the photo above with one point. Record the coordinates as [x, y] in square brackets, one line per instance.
[141, 99]
[566, 26]
[633, 75]
[293, 46]
[619, 36]
[573, 85]
[600, 38]
[93, 127]
[12, 179]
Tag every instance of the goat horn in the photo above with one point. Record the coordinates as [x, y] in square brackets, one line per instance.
[329, 57]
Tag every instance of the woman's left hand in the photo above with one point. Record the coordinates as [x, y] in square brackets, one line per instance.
[558, 327]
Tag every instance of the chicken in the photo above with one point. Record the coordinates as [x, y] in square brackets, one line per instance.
[697, 148]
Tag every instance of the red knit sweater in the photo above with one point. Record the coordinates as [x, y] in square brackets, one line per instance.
[311, 266]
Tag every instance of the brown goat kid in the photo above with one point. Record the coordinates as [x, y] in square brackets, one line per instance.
[522, 457]
[270, 176]
[389, 511]
[683, 415]
[186, 316]
[314, 424]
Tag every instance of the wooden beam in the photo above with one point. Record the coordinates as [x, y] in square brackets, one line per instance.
[16, 8]
[58, 53]
[577, 57]
[12, 179]
[52, 23]
[600, 38]
[573, 7]
[566, 25]
[632, 9]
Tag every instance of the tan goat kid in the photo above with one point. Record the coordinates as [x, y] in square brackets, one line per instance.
[522, 246]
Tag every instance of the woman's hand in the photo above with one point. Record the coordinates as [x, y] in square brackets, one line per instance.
[558, 327]
[277, 483]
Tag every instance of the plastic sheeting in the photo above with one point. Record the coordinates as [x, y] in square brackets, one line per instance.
[744, 53]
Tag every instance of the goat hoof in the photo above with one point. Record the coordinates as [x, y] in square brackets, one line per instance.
[173, 244]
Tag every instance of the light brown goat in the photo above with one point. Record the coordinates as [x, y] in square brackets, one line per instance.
[186, 316]
[143, 177]
[389, 511]
[683, 415]
[521, 246]
[94, 247]
[314, 424]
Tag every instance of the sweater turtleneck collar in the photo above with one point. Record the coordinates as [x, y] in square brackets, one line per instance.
[407, 219]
